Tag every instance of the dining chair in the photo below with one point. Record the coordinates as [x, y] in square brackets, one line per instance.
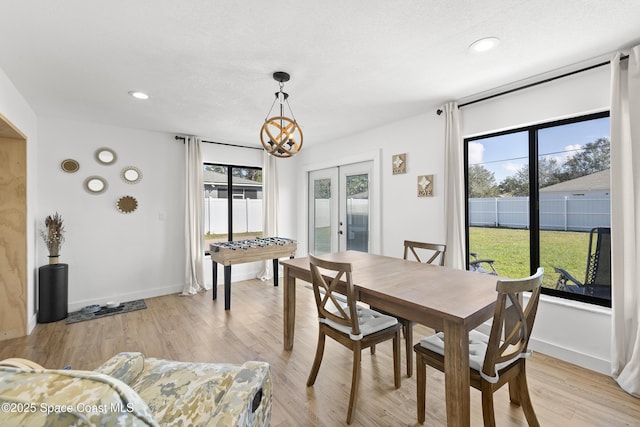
[352, 325]
[429, 253]
[496, 359]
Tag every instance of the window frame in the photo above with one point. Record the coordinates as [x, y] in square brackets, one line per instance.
[230, 194]
[534, 197]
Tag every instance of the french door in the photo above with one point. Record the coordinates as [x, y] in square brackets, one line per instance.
[340, 208]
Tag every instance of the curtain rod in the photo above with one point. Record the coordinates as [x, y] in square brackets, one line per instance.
[622, 58]
[177, 137]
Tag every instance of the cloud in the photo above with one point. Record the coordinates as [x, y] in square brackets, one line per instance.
[512, 167]
[569, 152]
[476, 152]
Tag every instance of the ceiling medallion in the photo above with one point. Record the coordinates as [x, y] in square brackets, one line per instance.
[280, 135]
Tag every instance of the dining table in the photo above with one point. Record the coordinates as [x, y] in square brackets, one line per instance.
[445, 299]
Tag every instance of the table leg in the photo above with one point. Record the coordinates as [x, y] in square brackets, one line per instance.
[289, 314]
[456, 374]
[275, 272]
[227, 287]
[214, 267]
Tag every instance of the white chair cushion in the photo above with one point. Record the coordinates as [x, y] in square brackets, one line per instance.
[370, 321]
[478, 343]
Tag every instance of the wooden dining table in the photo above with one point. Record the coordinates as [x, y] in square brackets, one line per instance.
[445, 299]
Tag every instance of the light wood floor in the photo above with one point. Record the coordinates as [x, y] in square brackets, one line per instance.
[198, 329]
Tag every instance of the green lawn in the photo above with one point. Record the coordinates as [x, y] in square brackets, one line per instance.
[510, 250]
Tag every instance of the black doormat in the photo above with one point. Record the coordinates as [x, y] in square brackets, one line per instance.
[125, 307]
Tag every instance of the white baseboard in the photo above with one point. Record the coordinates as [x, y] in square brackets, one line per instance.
[583, 360]
[33, 321]
[568, 355]
[146, 293]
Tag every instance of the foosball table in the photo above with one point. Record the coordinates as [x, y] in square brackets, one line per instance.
[241, 251]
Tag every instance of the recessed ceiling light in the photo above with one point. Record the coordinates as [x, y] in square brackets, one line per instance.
[484, 44]
[138, 95]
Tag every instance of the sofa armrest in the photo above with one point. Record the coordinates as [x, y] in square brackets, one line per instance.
[126, 367]
[248, 400]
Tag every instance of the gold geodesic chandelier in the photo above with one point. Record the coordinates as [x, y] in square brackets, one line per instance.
[281, 136]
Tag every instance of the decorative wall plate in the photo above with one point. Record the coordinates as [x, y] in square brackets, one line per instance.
[131, 175]
[127, 204]
[70, 165]
[95, 184]
[106, 156]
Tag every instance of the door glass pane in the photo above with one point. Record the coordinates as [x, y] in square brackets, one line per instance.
[357, 210]
[574, 187]
[322, 216]
[498, 189]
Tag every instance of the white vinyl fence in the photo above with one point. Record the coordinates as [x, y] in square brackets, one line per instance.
[567, 213]
[247, 215]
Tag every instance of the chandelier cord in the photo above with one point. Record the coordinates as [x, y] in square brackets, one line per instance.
[270, 109]
[290, 110]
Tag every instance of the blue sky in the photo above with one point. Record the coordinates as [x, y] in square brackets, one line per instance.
[506, 154]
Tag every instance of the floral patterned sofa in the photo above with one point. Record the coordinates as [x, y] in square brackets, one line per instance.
[132, 390]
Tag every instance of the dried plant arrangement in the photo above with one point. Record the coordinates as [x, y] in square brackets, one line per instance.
[54, 234]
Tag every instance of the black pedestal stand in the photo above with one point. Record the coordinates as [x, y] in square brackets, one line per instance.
[53, 292]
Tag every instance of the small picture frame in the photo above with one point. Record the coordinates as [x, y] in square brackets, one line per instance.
[399, 163]
[425, 186]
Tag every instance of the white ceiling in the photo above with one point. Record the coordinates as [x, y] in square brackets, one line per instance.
[354, 64]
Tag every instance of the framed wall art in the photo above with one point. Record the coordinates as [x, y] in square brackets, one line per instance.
[399, 163]
[425, 186]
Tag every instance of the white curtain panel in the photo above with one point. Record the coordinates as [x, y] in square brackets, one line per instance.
[454, 188]
[193, 227]
[269, 207]
[625, 220]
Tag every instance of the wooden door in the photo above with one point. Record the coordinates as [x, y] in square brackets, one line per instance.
[13, 232]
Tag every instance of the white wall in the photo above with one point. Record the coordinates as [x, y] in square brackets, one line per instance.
[573, 331]
[15, 109]
[403, 215]
[576, 332]
[111, 255]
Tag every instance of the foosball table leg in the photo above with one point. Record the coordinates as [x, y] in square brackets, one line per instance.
[214, 268]
[275, 272]
[227, 287]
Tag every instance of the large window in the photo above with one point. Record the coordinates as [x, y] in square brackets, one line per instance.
[232, 203]
[539, 196]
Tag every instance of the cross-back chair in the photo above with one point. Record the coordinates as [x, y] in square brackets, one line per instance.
[496, 359]
[351, 325]
[429, 253]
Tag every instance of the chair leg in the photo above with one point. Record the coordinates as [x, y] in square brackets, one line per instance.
[396, 360]
[421, 384]
[318, 359]
[525, 399]
[355, 381]
[514, 394]
[487, 405]
[408, 337]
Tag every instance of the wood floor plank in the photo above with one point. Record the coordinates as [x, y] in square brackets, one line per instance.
[200, 330]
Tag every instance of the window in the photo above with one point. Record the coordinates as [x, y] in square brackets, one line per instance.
[534, 195]
[232, 203]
